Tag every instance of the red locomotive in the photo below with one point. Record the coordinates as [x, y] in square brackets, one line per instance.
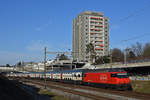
[109, 79]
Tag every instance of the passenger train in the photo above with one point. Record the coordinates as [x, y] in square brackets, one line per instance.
[105, 78]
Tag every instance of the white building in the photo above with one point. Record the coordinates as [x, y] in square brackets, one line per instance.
[90, 27]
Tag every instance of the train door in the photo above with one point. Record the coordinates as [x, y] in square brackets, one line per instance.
[61, 77]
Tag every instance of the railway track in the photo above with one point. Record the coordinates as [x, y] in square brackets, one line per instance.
[94, 93]
[69, 90]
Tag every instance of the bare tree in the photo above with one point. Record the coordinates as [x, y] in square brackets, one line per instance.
[7, 65]
[62, 57]
[90, 51]
[117, 55]
[102, 60]
[137, 49]
[146, 52]
[130, 54]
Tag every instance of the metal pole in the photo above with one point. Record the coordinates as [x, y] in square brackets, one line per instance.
[75, 66]
[52, 67]
[38, 68]
[110, 59]
[45, 66]
[71, 64]
[125, 57]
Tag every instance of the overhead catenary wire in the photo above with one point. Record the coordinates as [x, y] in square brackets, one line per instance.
[132, 38]
[133, 14]
[136, 37]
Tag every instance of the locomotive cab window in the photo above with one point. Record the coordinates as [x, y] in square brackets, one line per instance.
[122, 75]
[113, 75]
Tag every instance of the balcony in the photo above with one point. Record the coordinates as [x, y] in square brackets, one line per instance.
[96, 30]
[92, 33]
[98, 41]
[99, 26]
[96, 22]
[96, 18]
[101, 45]
[98, 35]
[101, 49]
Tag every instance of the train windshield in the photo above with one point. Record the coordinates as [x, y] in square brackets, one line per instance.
[122, 75]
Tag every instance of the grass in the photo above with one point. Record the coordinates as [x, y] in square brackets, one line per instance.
[141, 86]
[52, 95]
[137, 85]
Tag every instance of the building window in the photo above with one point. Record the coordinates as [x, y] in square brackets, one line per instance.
[86, 37]
[100, 23]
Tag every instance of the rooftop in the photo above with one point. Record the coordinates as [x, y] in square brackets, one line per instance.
[91, 13]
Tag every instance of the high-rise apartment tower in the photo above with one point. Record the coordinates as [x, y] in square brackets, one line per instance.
[90, 27]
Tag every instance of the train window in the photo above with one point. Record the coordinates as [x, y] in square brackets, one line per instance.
[122, 76]
[113, 75]
[78, 75]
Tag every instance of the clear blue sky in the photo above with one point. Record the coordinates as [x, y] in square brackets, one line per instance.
[27, 26]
